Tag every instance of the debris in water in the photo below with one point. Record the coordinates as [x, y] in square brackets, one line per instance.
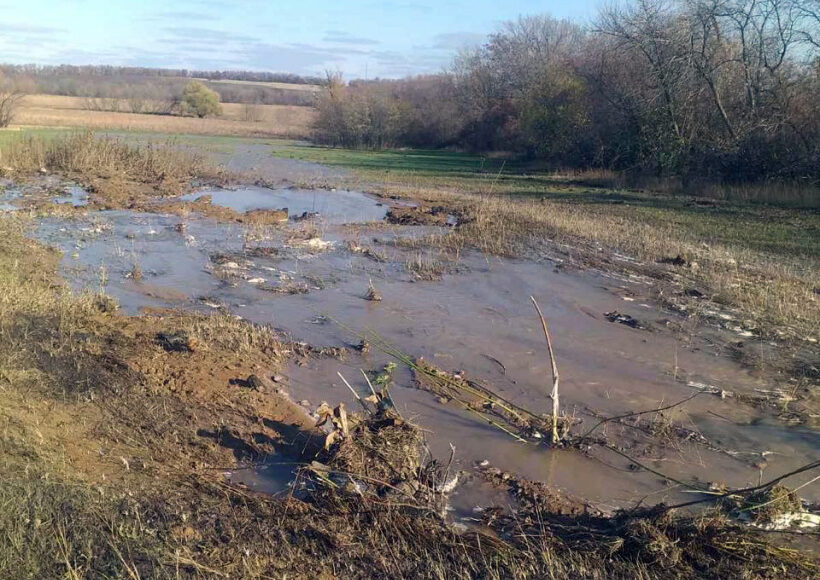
[135, 273]
[372, 294]
[306, 215]
[479, 400]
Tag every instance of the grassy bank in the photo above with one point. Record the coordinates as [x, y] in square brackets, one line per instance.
[117, 172]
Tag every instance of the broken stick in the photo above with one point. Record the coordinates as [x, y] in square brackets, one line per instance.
[554, 394]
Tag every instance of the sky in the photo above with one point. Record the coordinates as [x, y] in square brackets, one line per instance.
[360, 38]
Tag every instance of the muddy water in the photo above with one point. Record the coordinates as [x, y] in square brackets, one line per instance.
[13, 198]
[332, 206]
[75, 196]
[7, 195]
[477, 319]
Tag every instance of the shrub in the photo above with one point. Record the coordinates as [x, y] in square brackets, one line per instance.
[199, 100]
[8, 105]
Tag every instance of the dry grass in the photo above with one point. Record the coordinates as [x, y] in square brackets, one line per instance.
[116, 172]
[272, 85]
[274, 120]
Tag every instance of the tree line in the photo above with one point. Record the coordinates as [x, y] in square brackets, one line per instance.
[70, 70]
[154, 87]
[719, 90]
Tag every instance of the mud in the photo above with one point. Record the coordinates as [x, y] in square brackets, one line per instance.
[478, 320]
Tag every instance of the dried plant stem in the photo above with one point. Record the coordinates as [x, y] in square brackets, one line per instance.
[369, 384]
[554, 393]
[355, 394]
[638, 413]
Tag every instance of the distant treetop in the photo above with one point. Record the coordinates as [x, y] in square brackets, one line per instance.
[108, 70]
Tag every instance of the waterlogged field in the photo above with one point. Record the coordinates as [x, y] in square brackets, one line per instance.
[202, 330]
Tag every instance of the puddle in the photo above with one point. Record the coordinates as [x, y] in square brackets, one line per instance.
[479, 320]
[76, 196]
[7, 196]
[335, 207]
[469, 500]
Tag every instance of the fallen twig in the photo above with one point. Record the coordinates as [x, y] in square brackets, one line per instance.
[638, 413]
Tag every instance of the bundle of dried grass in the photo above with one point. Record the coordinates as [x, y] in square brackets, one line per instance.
[480, 400]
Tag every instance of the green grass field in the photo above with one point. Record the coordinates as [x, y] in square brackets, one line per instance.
[9, 135]
[756, 227]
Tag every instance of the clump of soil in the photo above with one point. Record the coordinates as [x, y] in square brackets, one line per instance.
[624, 319]
[418, 216]
[266, 216]
[289, 288]
[383, 450]
[678, 260]
[176, 341]
[263, 252]
[366, 251]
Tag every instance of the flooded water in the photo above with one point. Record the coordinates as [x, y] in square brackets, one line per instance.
[477, 318]
[75, 196]
[335, 207]
[8, 195]
[13, 198]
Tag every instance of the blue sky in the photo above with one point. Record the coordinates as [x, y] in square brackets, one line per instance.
[388, 38]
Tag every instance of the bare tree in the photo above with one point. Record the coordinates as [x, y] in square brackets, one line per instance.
[9, 101]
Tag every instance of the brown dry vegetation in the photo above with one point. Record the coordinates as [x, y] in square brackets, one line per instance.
[272, 84]
[269, 120]
[118, 174]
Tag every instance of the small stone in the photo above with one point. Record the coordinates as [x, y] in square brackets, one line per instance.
[277, 378]
[255, 383]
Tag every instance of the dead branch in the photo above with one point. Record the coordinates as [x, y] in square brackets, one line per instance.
[554, 393]
[638, 413]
